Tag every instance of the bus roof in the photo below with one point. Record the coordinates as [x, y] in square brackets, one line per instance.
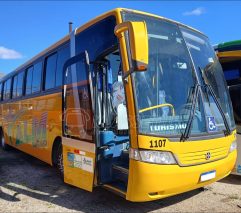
[161, 17]
[82, 28]
[229, 46]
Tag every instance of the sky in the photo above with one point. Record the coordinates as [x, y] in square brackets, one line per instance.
[28, 27]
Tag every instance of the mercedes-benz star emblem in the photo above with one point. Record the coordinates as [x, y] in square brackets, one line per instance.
[208, 155]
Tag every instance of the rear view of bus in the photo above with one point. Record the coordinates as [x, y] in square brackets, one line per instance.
[229, 54]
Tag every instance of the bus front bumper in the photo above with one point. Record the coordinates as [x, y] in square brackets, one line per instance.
[151, 181]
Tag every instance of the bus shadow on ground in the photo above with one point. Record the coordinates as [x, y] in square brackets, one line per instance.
[232, 179]
[23, 174]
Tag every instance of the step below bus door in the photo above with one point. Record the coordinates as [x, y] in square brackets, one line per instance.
[78, 147]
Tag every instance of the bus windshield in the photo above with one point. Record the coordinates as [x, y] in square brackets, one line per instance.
[164, 93]
[210, 71]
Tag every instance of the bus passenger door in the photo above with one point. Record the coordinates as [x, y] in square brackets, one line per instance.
[78, 144]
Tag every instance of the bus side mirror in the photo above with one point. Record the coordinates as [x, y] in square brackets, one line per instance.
[138, 43]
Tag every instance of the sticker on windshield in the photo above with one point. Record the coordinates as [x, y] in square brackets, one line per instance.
[211, 124]
[160, 127]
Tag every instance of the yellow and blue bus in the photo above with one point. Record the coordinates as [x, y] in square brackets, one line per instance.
[130, 101]
[229, 54]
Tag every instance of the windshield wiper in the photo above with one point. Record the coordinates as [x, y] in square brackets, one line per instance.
[203, 75]
[185, 135]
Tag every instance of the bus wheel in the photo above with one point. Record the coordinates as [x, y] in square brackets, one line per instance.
[59, 162]
[3, 144]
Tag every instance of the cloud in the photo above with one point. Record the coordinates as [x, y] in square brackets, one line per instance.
[196, 12]
[6, 53]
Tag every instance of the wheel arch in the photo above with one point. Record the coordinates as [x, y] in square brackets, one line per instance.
[57, 141]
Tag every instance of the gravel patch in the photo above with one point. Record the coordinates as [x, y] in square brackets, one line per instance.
[29, 185]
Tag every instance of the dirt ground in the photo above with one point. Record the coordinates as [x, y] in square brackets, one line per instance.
[29, 185]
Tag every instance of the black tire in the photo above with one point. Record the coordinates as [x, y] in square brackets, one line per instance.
[4, 146]
[59, 160]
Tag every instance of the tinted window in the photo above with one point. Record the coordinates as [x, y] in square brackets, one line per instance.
[29, 81]
[77, 72]
[20, 84]
[78, 115]
[100, 36]
[7, 86]
[1, 91]
[8, 94]
[232, 72]
[37, 76]
[235, 93]
[50, 71]
[63, 56]
[4, 89]
[15, 81]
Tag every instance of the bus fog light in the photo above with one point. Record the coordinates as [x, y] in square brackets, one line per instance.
[158, 157]
[233, 146]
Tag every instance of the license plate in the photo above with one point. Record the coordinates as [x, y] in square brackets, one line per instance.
[207, 176]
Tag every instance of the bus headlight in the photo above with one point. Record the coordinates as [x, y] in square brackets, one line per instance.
[233, 146]
[157, 157]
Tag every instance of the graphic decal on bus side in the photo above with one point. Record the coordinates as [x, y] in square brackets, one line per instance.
[38, 136]
[11, 119]
[22, 136]
[39, 133]
[80, 161]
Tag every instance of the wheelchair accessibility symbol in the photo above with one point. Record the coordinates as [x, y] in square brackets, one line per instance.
[211, 124]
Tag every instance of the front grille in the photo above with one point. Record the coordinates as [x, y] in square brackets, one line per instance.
[200, 157]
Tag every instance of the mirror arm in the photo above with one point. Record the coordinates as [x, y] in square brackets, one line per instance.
[126, 74]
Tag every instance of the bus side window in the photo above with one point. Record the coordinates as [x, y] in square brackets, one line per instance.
[1, 91]
[20, 84]
[63, 56]
[29, 79]
[14, 90]
[5, 91]
[7, 85]
[50, 71]
[37, 77]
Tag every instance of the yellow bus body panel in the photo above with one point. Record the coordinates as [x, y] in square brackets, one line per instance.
[79, 163]
[229, 54]
[152, 181]
[31, 125]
